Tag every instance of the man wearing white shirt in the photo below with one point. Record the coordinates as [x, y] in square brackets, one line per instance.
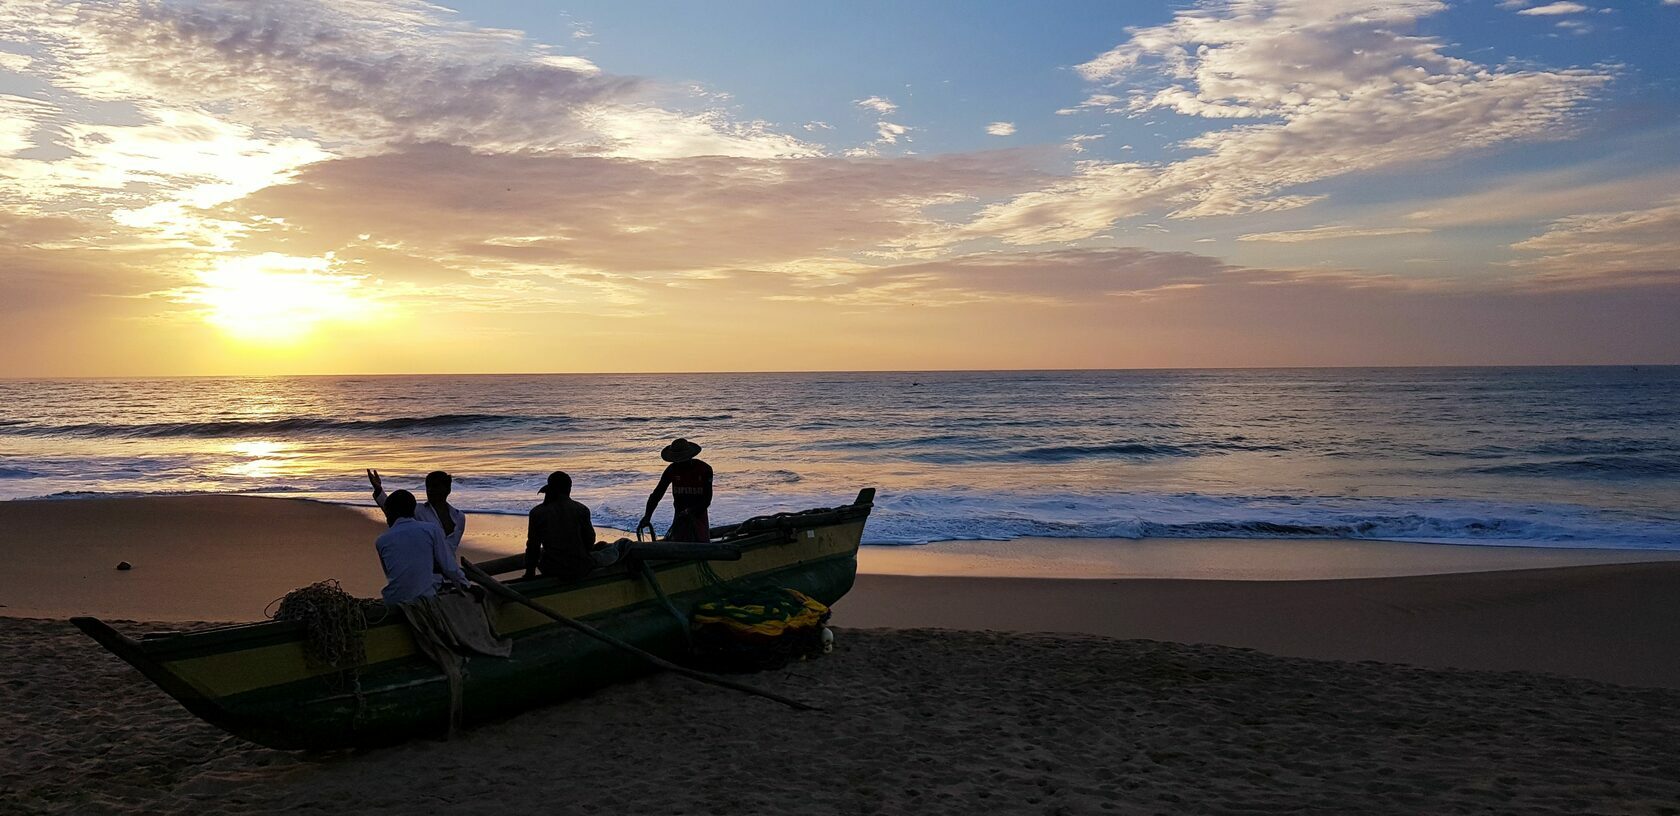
[413, 554]
[436, 510]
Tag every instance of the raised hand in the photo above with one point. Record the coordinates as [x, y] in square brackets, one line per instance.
[373, 479]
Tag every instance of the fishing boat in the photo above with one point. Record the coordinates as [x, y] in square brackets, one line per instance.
[257, 682]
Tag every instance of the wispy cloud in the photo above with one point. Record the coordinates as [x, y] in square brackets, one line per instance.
[1330, 233]
[1353, 97]
[1077, 142]
[1614, 248]
[1096, 101]
[353, 73]
[614, 214]
[1000, 129]
[878, 104]
[1553, 9]
[351, 70]
[1546, 195]
[20, 117]
[889, 132]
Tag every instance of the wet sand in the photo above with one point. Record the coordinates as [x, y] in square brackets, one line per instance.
[193, 557]
[1612, 622]
[1234, 559]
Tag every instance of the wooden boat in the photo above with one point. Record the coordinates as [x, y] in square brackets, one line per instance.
[254, 681]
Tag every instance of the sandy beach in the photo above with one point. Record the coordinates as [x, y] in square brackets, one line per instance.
[914, 721]
[1036, 695]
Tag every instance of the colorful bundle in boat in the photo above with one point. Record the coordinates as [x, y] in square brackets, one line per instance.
[758, 630]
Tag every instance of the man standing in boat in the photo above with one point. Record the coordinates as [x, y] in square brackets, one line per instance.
[437, 508]
[690, 481]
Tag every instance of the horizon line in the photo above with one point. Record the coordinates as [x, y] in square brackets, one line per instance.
[15, 378]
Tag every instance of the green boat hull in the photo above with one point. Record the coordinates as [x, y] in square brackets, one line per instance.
[254, 682]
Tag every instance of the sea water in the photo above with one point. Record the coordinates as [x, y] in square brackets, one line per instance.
[1497, 456]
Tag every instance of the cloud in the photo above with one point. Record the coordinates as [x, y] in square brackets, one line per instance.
[50, 262]
[1076, 142]
[1552, 9]
[1096, 101]
[355, 74]
[480, 211]
[652, 132]
[1354, 94]
[1062, 276]
[889, 133]
[1000, 129]
[1330, 233]
[348, 70]
[147, 176]
[1617, 248]
[878, 104]
[571, 63]
[19, 118]
[27, 230]
[1143, 307]
[1546, 195]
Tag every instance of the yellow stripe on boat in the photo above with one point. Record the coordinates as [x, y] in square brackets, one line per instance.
[228, 673]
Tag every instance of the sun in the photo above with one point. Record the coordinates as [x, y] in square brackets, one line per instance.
[278, 299]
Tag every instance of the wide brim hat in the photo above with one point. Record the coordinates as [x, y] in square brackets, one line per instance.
[679, 450]
[555, 478]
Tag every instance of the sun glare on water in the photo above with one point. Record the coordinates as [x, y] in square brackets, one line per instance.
[278, 299]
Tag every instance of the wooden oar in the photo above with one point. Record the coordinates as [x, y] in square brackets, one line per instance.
[505, 591]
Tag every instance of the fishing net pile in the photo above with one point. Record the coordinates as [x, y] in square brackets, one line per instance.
[754, 630]
[335, 623]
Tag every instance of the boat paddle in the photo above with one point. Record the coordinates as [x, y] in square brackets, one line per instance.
[503, 590]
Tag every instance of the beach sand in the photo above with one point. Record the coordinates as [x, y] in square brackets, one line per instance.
[914, 719]
[193, 557]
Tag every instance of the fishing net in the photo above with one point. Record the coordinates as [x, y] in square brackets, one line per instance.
[335, 623]
[755, 630]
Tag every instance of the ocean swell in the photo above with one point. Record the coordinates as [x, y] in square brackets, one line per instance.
[287, 426]
[919, 518]
[1592, 467]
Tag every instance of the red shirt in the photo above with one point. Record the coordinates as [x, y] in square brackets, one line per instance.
[691, 484]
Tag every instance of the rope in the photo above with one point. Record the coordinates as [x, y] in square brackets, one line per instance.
[335, 621]
[717, 581]
[502, 590]
[653, 581]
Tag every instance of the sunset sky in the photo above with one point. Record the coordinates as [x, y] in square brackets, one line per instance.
[294, 186]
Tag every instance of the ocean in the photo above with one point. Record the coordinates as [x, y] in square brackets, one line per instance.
[1491, 456]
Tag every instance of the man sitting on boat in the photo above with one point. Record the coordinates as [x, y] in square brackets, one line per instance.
[414, 553]
[690, 481]
[437, 508]
[561, 538]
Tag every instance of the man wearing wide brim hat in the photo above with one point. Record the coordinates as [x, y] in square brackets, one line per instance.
[690, 481]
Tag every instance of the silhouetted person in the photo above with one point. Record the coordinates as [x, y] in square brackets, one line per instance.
[561, 540]
[413, 553]
[690, 481]
[437, 508]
